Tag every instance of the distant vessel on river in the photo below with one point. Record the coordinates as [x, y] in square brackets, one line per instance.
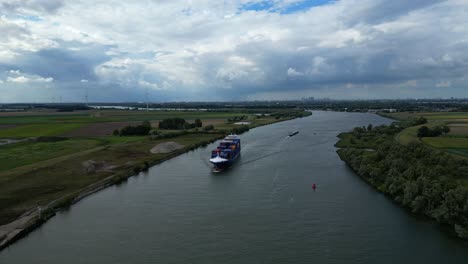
[293, 133]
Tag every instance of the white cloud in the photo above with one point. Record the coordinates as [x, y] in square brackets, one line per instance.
[153, 86]
[17, 72]
[444, 84]
[293, 73]
[19, 79]
[25, 79]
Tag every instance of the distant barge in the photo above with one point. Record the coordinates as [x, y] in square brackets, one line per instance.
[293, 133]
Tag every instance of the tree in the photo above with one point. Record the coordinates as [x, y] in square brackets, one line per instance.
[198, 122]
[423, 132]
[146, 123]
[208, 127]
[445, 129]
[116, 132]
[189, 125]
[172, 123]
[140, 130]
[369, 127]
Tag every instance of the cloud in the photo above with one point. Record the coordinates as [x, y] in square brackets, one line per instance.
[23, 79]
[19, 79]
[31, 6]
[444, 84]
[240, 49]
[293, 73]
[15, 76]
[153, 86]
[16, 72]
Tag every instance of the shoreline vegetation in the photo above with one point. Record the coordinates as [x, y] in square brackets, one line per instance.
[46, 172]
[426, 180]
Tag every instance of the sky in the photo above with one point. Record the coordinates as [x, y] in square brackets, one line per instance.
[200, 50]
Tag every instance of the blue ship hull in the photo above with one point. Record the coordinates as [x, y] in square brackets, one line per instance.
[217, 167]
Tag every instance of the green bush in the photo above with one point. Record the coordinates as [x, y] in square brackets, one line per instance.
[208, 127]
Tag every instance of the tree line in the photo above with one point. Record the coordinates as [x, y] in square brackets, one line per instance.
[423, 179]
[140, 130]
[425, 131]
[179, 123]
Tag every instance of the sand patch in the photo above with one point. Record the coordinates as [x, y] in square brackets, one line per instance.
[166, 147]
[7, 141]
[91, 166]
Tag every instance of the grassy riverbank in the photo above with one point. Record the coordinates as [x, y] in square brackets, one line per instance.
[419, 177]
[455, 142]
[41, 174]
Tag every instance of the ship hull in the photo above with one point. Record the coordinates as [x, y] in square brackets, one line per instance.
[221, 166]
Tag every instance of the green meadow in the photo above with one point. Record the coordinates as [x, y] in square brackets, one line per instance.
[452, 143]
[24, 153]
[38, 130]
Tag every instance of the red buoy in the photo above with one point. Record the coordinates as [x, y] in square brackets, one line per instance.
[314, 186]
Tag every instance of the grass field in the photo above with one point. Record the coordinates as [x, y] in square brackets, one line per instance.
[430, 115]
[408, 136]
[99, 116]
[24, 153]
[458, 128]
[447, 142]
[456, 142]
[38, 130]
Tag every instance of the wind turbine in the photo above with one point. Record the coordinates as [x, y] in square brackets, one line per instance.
[147, 98]
[86, 91]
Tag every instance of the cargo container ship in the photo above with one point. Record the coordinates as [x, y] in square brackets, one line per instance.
[227, 152]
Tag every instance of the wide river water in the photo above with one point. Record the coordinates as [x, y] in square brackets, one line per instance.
[262, 210]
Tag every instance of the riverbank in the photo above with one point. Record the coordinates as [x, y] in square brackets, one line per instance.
[62, 181]
[422, 179]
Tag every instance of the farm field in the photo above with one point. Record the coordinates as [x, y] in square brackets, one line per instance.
[458, 128]
[24, 153]
[455, 142]
[38, 130]
[449, 116]
[99, 116]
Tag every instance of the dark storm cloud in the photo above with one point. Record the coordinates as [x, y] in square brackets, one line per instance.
[63, 64]
[48, 6]
[379, 11]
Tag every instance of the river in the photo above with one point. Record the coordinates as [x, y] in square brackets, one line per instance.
[262, 210]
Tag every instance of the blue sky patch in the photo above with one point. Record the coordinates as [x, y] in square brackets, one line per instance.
[29, 18]
[304, 5]
[292, 8]
[258, 6]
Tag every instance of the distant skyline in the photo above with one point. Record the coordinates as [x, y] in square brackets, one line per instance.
[188, 50]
